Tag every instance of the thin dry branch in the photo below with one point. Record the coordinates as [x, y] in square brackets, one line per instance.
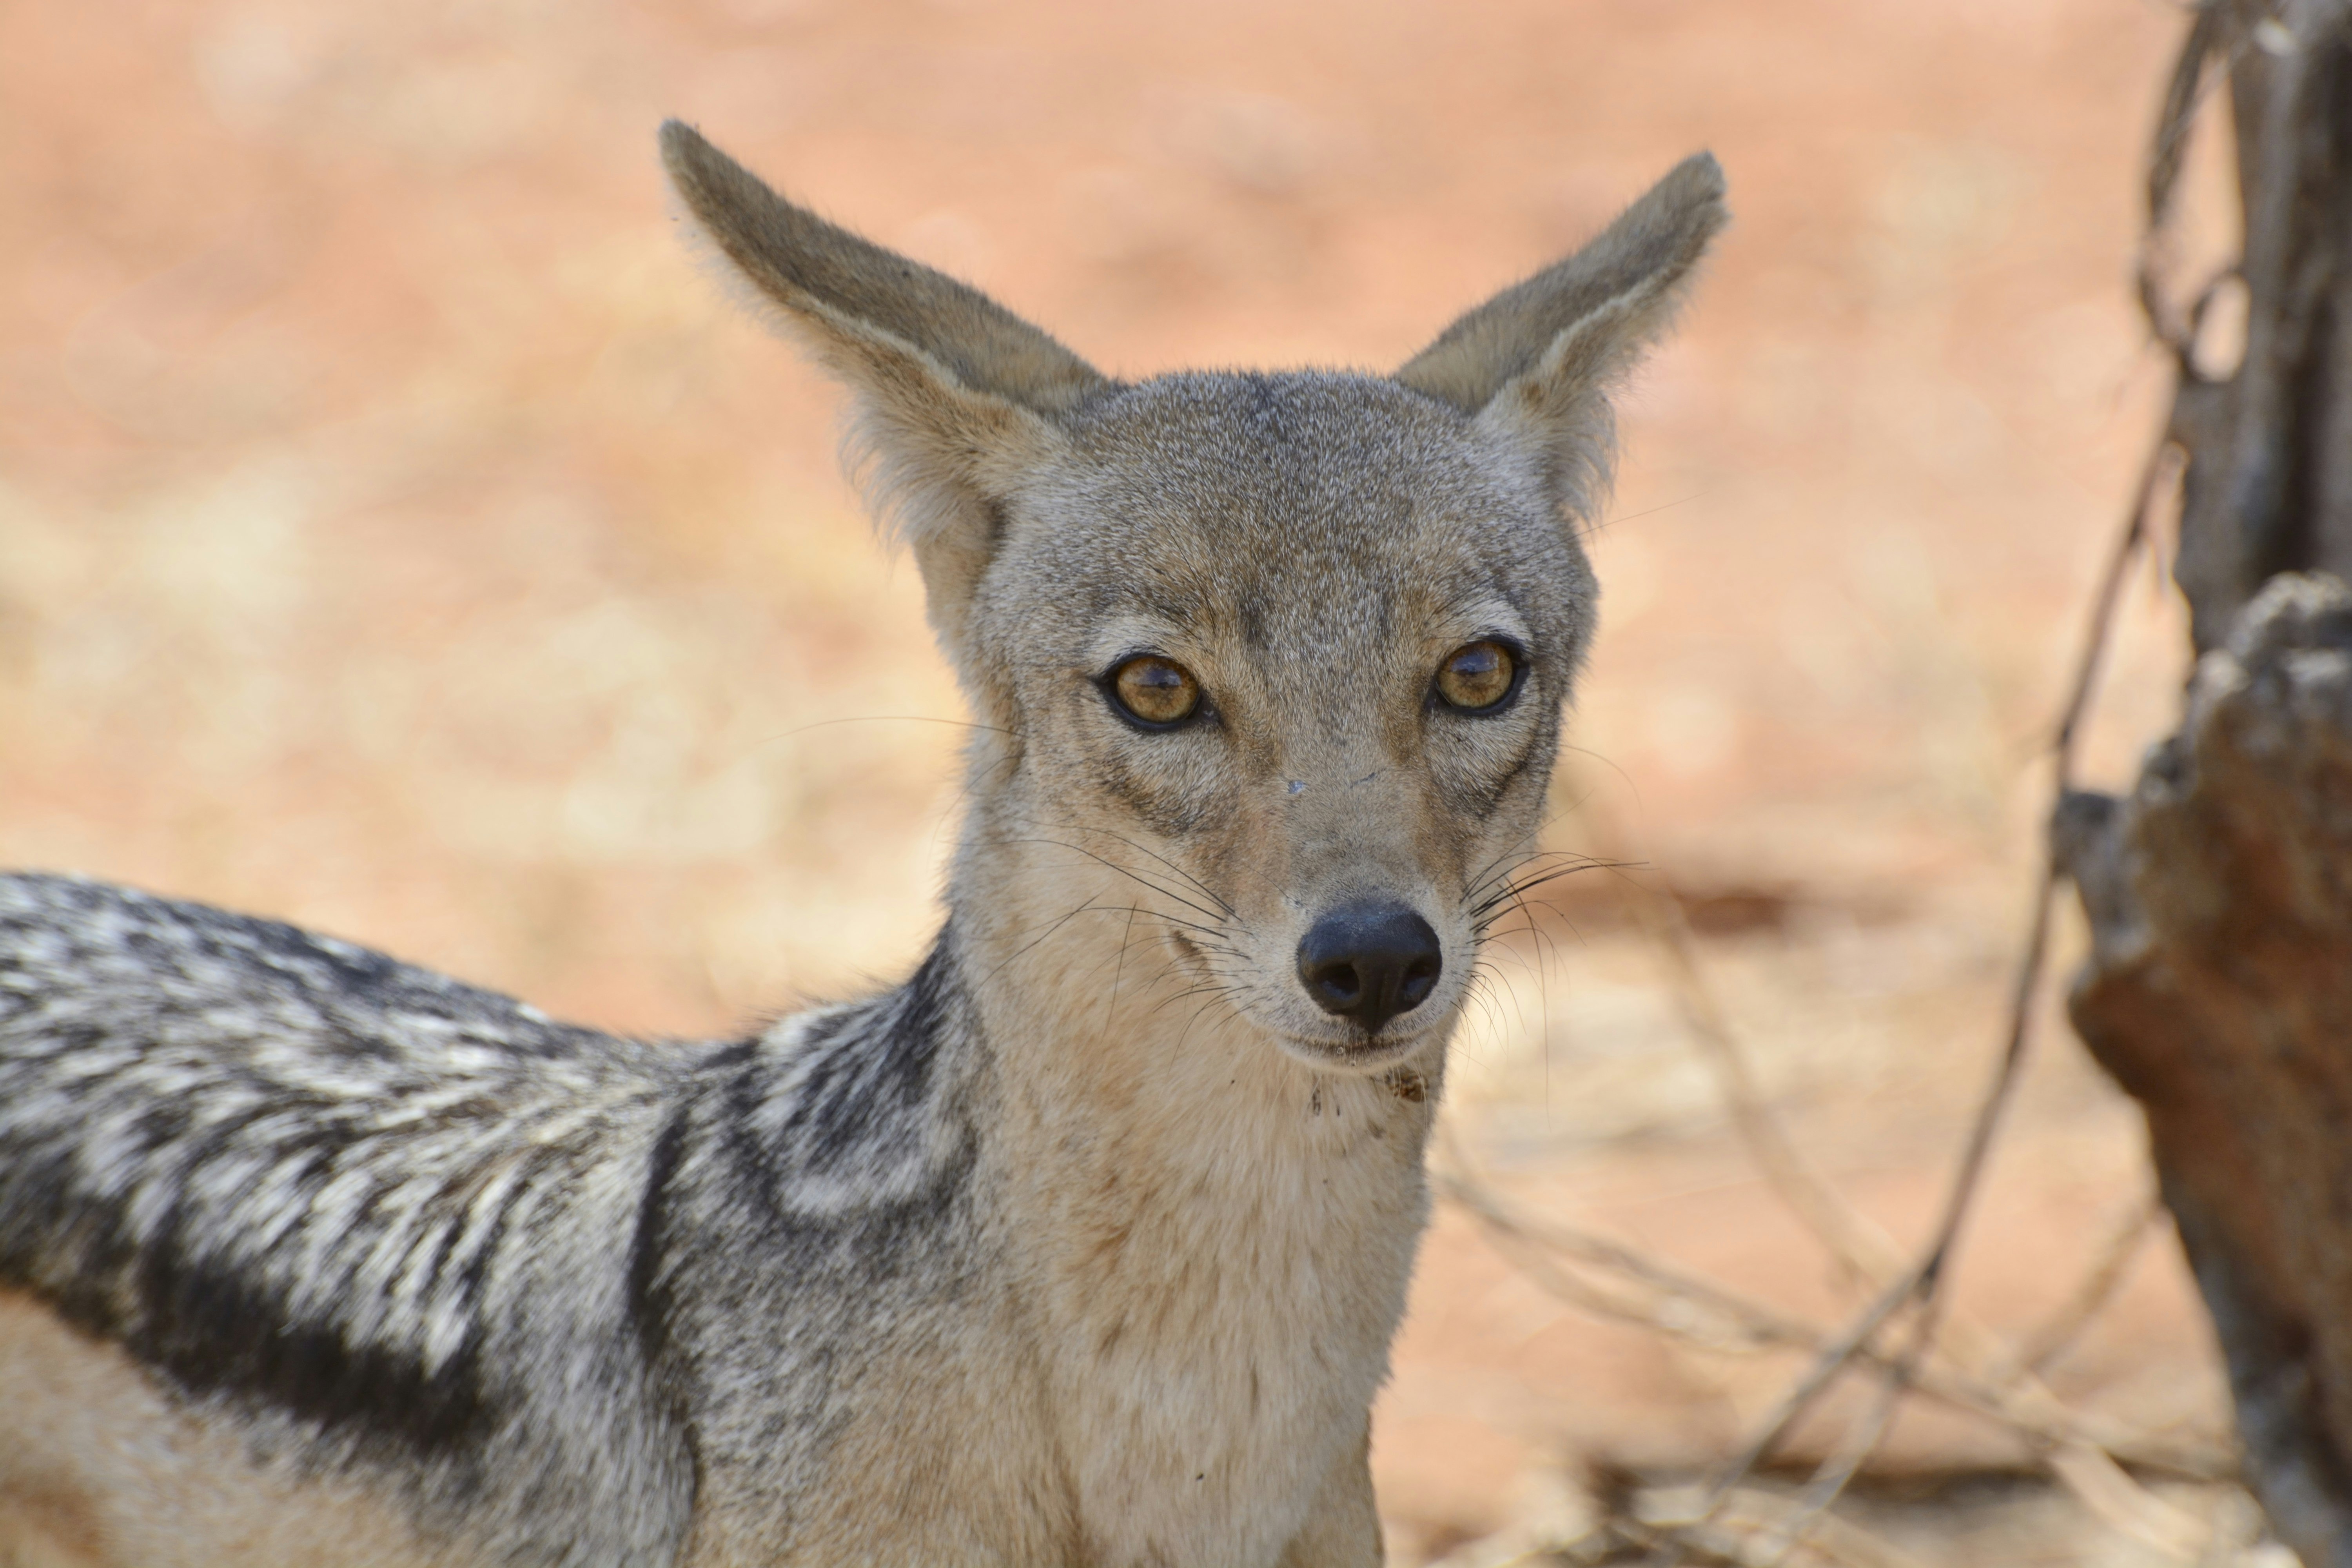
[1917, 1289]
[1753, 1529]
[1864, 1250]
[2086, 1466]
[2081, 1453]
[2184, 95]
[1714, 1317]
[2110, 1264]
[1920, 1289]
[2157, 475]
[1859, 1246]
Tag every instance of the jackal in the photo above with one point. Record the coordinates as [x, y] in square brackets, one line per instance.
[1086, 1243]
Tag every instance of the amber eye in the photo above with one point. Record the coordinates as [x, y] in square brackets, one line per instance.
[1477, 677]
[1155, 691]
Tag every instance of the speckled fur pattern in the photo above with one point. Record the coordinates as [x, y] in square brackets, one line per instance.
[1083, 1246]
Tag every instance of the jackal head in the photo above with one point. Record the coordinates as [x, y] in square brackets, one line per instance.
[1287, 652]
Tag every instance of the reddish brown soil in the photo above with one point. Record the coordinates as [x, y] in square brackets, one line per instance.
[400, 535]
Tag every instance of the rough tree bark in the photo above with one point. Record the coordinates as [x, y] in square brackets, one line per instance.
[2219, 991]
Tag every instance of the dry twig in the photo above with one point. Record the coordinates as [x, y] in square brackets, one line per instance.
[2110, 1263]
[2085, 1465]
[1713, 1317]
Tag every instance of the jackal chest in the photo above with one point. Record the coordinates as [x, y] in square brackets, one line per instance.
[1224, 1332]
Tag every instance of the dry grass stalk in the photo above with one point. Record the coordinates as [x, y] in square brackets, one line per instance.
[1758, 1528]
[1992, 1378]
[2111, 1264]
[2140, 1513]
[1646, 1293]
[2088, 1467]
[2004, 1379]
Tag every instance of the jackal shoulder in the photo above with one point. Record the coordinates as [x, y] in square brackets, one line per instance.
[374, 1215]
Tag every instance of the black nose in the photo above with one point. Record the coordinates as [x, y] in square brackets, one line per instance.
[1369, 961]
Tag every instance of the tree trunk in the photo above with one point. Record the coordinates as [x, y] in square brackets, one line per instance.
[2219, 991]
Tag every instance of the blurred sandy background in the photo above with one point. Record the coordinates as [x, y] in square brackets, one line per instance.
[400, 535]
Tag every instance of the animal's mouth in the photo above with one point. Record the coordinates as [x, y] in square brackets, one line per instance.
[1360, 1052]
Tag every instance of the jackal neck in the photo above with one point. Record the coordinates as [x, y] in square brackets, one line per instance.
[1210, 1241]
[1166, 1157]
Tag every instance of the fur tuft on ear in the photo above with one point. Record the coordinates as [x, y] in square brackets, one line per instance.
[956, 397]
[1536, 362]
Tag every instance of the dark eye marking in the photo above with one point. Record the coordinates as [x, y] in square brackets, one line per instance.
[1480, 678]
[1152, 692]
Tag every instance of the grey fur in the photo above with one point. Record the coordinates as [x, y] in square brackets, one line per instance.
[396, 1221]
[1010, 1263]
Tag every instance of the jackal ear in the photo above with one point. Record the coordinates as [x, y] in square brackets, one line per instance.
[957, 399]
[1537, 361]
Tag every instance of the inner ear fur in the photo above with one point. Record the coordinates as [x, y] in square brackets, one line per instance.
[957, 398]
[1536, 362]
